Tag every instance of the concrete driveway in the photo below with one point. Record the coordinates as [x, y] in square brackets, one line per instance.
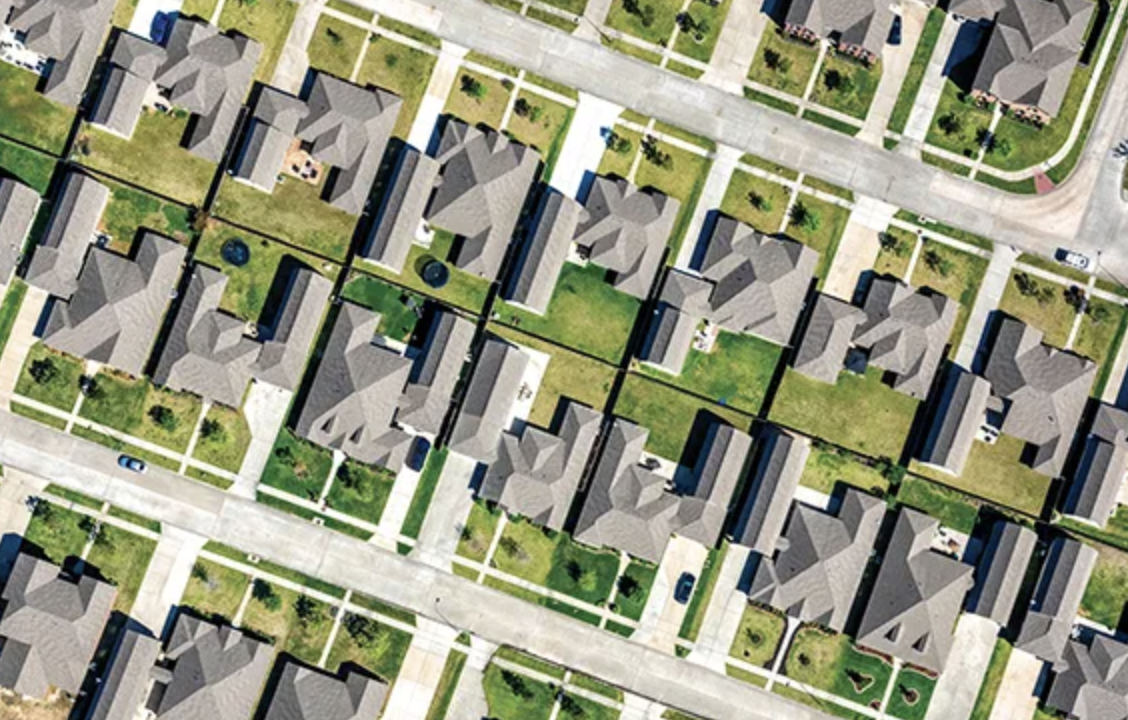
[958, 686]
[895, 62]
[663, 616]
[1016, 699]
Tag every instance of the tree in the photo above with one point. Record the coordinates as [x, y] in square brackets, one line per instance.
[654, 154]
[351, 478]
[1075, 298]
[938, 263]
[164, 418]
[512, 548]
[759, 202]
[365, 632]
[890, 243]
[617, 143]
[837, 82]
[516, 684]
[472, 87]
[264, 592]
[1003, 147]
[1026, 285]
[199, 572]
[333, 35]
[571, 707]
[307, 610]
[1098, 312]
[43, 371]
[43, 510]
[285, 455]
[213, 430]
[804, 218]
[629, 586]
[950, 124]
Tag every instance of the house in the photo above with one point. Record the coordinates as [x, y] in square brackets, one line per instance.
[855, 27]
[304, 693]
[817, 567]
[917, 596]
[681, 307]
[400, 215]
[484, 181]
[49, 627]
[1093, 682]
[1048, 625]
[826, 340]
[211, 672]
[344, 126]
[537, 472]
[128, 681]
[625, 230]
[288, 336]
[495, 384]
[960, 411]
[18, 206]
[68, 33]
[775, 480]
[543, 254]
[1001, 570]
[115, 313]
[72, 228]
[1094, 493]
[435, 373]
[199, 69]
[633, 509]
[1031, 54]
[1041, 393]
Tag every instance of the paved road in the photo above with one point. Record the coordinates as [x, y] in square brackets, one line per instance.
[1040, 224]
[348, 562]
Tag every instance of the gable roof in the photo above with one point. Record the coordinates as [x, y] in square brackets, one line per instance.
[959, 412]
[1095, 490]
[306, 694]
[485, 178]
[830, 329]
[18, 206]
[1045, 631]
[917, 596]
[126, 683]
[401, 210]
[1001, 571]
[435, 372]
[50, 627]
[534, 275]
[133, 63]
[855, 22]
[73, 225]
[286, 341]
[669, 337]
[782, 459]
[1093, 684]
[490, 396]
[817, 567]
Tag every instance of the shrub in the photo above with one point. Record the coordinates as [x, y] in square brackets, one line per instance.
[473, 87]
[164, 418]
[365, 632]
[629, 586]
[805, 218]
[937, 263]
[759, 202]
[213, 430]
[43, 371]
[307, 610]
[264, 592]
[618, 144]
[950, 124]
[516, 684]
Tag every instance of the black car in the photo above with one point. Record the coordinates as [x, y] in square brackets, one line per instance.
[684, 589]
[895, 31]
[418, 455]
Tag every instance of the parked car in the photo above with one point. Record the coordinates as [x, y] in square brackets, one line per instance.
[895, 31]
[132, 463]
[1073, 259]
[418, 455]
[684, 589]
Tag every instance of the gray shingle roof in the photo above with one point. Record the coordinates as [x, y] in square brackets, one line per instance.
[489, 398]
[270, 131]
[782, 459]
[351, 405]
[916, 598]
[436, 372]
[74, 222]
[1057, 598]
[50, 627]
[960, 410]
[18, 205]
[855, 22]
[133, 64]
[1095, 489]
[287, 340]
[906, 331]
[831, 327]
[817, 568]
[401, 210]
[625, 229]
[534, 275]
[126, 684]
[704, 507]
[669, 338]
[218, 673]
[115, 314]
[537, 472]
[1033, 50]
[70, 32]
[1044, 391]
[1093, 685]
[307, 694]
[485, 179]
[1001, 570]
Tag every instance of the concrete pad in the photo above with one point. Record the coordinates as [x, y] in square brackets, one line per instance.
[442, 528]
[20, 341]
[934, 78]
[292, 65]
[166, 578]
[584, 145]
[723, 614]
[265, 410]
[438, 88]
[736, 46]
[712, 195]
[421, 671]
[989, 297]
[895, 62]
[399, 502]
[958, 686]
[858, 249]
[1016, 699]
[662, 617]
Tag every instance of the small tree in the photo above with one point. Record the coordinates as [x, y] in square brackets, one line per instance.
[43, 371]
[472, 87]
[618, 144]
[307, 610]
[164, 418]
[571, 707]
[390, 59]
[950, 124]
[1026, 285]
[43, 510]
[629, 586]
[1098, 312]
[364, 632]
[211, 429]
[1075, 298]
[333, 35]
[285, 455]
[264, 592]
[516, 684]
[1003, 147]
[804, 218]
[759, 202]
[937, 263]
[200, 573]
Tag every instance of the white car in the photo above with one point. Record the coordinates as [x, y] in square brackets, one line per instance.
[1073, 259]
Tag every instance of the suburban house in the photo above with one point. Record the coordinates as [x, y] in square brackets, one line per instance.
[128, 682]
[399, 218]
[917, 596]
[50, 627]
[1001, 570]
[857, 28]
[543, 254]
[72, 228]
[210, 354]
[960, 412]
[199, 69]
[115, 314]
[304, 693]
[18, 206]
[748, 283]
[633, 509]
[1093, 683]
[1095, 491]
[67, 34]
[484, 181]
[537, 472]
[830, 328]
[774, 482]
[436, 372]
[1048, 625]
[816, 571]
[337, 124]
[495, 385]
[1031, 54]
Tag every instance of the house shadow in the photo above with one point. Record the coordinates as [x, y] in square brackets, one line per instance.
[967, 50]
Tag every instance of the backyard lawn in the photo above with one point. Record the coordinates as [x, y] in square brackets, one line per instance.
[896, 253]
[1044, 307]
[361, 490]
[478, 99]
[755, 201]
[511, 696]
[682, 177]
[819, 225]
[224, 437]
[828, 466]
[952, 508]
[30, 167]
[830, 412]
[403, 70]
[912, 692]
[27, 116]
[297, 466]
[464, 290]
[267, 21]
[121, 558]
[585, 313]
[783, 64]
[672, 417]
[706, 23]
[846, 85]
[377, 648]
[129, 210]
[399, 309]
[129, 405]
[827, 660]
[50, 377]
[553, 560]
[299, 626]
[1104, 599]
[215, 590]
[335, 46]
[759, 635]
[736, 373]
[650, 20]
[152, 158]
[955, 274]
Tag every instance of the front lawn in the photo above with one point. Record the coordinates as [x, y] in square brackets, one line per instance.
[831, 412]
[335, 46]
[297, 466]
[735, 373]
[512, 696]
[553, 560]
[403, 70]
[361, 490]
[50, 377]
[957, 123]
[1041, 304]
[224, 437]
[57, 531]
[129, 210]
[376, 647]
[755, 201]
[267, 21]
[27, 116]
[121, 558]
[478, 99]
[650, 20]
[953, 509]
[634, 588]
[759, 635]
[819, 225]
[585, 313]
[1104, 597]
[297, 624]
[1101, 331]
[705, 23]
[828, 466]
[954, 273]
[478, 531]
[846, 85]
[896, 253]
[618, 158]
[681, 176]
[464, 290]
[129, 405]
[829, 661]
[30, 167]
[542, 124]
[912, 692]
[783, 64]
[399, 309]
[152, 158]
[215, 590]
[676, 420]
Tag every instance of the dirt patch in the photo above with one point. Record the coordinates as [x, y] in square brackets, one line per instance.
[16, 708]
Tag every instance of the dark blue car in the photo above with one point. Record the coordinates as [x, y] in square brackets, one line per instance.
[684, 589]
[895, 31]
[131, 463]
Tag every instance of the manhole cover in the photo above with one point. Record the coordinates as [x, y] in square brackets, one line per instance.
[436, 274]
[235, 252]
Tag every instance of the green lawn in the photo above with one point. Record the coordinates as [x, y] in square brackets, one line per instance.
[10, 309]
[912, 692]
[448, 684]
[759, 635]
[826, 660]
[39, 416]
[553, 560]
[273, 613]
[654, 21]
[199, 8]
[378, 648]
[27, 116]
[846, 85]
[955, 274]
[361, 490]
[335, 46]
[783, 64]
[122, 558]
[542, 124]
[1104, 597]
[736, 373]
[953, 509]
[57, 531]
[30, 167]
[830, 412]
[617, 160]
[401, 69]
[914, 78]
[683, 177]
[464, 290]
[152, 158]
[126, 404]
[129, 210]
[407, 30]
[896, 252]
[822, 231]
[755, 201]
[1049, 311]
[828, 466]
[267, 21]
[297, 466]
[634, 589]
[478, 532]
[215, 590]
[57, 385]
[478, 99]
[957, 122]
[672, 417]
[702, 39]
[1100, 333]
[224, 438]
[394, 304]
[510, 696]
[116, 445]
[989, 690]
[585, 313]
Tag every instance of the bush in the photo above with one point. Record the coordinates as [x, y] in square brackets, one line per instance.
[199, 572]
[365, 632]
[628, 586]
[838, 82]
[264, 592]
[654, 153]
[950, 124]
[777, 63]
[937, 263]
[213, 430]
[164, 418]
[307, 610]
[516, 684]
[43, 371]
[759, 202]
[472, 87]
[805, 218]
[618, 144]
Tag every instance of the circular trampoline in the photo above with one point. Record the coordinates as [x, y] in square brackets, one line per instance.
[235, 252]
[435, 274]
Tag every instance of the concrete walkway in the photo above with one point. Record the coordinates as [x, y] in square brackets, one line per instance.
[434, 100]
[20, 341]
[166, 578]
[442, 528]
[585, 144]
[1016, 699]
[895, 62]
[958, 687]
[920, 119]
[712, 195]
[736, 46]
[722, 615]
[859, 246]
[990, 294]
[292, 65]
[421, 671]
[265, 410]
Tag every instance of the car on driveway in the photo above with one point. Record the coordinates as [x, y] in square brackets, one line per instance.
[1073, 259]
[132, 463]
[684, 589]
[895, 31]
